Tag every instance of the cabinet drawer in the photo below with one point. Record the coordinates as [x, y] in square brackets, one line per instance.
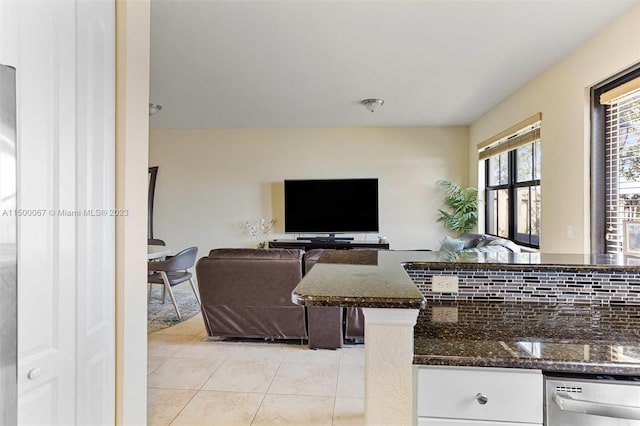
[425, 421]
[512, 395]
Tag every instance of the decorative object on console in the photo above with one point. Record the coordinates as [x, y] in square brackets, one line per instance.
[632, 238]
[260, 230]
[372, 104]
[463, 203]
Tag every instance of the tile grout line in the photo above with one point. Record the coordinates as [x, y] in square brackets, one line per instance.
[335, 397]
[194, 339]
[197, 391]
[157, 367]
[264, 395]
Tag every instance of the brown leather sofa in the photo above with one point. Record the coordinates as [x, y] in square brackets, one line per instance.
[247, 293]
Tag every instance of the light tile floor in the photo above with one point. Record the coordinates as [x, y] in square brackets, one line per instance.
[193, 381]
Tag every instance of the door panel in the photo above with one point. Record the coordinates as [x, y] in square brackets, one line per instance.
[65, 59]
[96, 192]
[46, 243]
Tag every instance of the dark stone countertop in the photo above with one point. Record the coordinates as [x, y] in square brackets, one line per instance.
[567, 338]
[363, 278]
[376, 279]
[525, 261]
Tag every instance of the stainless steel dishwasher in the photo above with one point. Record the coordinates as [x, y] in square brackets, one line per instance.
[595, 400]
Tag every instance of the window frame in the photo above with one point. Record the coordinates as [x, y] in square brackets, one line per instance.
[598, 157]
[512, 187]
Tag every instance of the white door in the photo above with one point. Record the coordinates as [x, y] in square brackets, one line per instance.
[95, 196]
[63, 52]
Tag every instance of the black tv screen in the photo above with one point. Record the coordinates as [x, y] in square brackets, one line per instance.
[331, 205]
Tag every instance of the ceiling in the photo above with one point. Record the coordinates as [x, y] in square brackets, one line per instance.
[304, 63]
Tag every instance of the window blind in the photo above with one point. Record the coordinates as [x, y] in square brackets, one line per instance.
[611, 96]
[523, 133]
[622, 163]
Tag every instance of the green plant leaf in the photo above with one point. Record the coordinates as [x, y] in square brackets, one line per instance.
[462, 204]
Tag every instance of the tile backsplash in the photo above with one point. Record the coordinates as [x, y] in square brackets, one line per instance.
[531, 285]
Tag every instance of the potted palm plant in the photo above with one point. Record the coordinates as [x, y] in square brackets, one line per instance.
[462, 204]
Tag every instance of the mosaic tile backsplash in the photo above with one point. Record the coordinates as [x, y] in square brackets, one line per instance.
[545, 286]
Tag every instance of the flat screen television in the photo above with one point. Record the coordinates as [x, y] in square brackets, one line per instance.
[331, 206]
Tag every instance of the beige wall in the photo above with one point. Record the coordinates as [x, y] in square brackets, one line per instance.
[132, 146]
[562, 95]
[211, 181]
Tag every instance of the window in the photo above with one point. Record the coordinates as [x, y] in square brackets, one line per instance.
[512, 183]
[615, 160]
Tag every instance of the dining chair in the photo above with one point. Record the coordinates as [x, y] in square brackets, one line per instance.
[156, 242]
[173, 271]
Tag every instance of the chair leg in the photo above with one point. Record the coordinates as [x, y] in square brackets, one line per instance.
[193, 286]
[149, 295]
[168, 287]
[164, 295]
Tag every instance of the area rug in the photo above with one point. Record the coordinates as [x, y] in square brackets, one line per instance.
[162, 315]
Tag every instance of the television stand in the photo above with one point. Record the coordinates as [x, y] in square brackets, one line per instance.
[330, 238]
[310, 244]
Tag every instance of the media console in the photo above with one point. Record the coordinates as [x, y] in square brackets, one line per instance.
[325, 244]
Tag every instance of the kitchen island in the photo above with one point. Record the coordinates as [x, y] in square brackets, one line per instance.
[552, 313]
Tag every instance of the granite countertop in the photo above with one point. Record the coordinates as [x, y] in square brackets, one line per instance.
[362, 278]
[563, 338]
[520, 261]
[553, 337]
[372, 278]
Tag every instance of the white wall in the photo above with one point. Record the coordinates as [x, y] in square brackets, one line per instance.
[211, 181]
[562, 95]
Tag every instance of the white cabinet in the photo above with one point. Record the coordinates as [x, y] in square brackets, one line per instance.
[466, 396]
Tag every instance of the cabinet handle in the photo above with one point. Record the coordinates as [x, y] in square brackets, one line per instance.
[567, 402]
[481, 398]
[34, 373]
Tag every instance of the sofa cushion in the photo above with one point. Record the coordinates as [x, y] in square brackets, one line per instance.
[492, 241]
[472, 239]
[474, 242]
[256, 254]
[310, 258]
[451, 244]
